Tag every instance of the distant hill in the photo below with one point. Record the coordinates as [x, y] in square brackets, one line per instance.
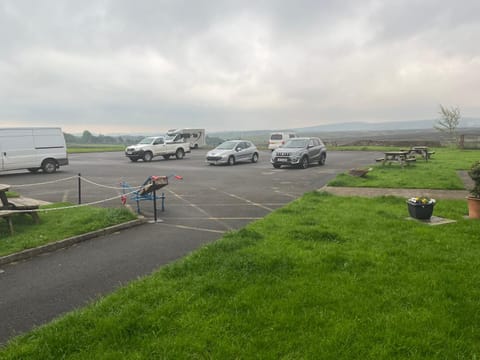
[356, 126]
[348, 133]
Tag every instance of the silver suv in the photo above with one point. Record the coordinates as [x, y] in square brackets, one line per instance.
[300, 152]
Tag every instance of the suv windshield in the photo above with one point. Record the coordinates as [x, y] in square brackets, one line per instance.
[227, 145]
[296, 143]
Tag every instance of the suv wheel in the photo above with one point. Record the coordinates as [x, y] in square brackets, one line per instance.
[304, 163]
[277, 166]
[322, 159]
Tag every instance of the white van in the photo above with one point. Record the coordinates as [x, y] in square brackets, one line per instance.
[32, 149]
[278, 139]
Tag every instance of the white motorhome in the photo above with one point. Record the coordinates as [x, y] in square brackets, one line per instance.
[195, 137]
[32, 149]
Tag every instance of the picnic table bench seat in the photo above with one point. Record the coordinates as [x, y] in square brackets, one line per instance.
[15, 206]
[25, 204]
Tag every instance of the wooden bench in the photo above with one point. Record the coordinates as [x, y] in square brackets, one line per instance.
[25, 204]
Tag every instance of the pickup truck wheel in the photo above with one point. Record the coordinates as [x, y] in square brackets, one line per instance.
[255, 158]
[179, 154]
[322, 159]
[49, 166]
[148, 156]
[304, 163]
[166, 157]
[231, 160]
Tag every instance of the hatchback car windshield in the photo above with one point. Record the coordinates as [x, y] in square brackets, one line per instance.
[227, 145]
[296, 143]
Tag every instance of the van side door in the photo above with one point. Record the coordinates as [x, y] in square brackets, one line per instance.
[18, 149]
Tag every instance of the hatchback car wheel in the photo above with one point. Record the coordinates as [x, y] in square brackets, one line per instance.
[231, 160]
[255, 158]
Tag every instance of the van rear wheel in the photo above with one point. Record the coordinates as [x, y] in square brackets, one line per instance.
[49, 166]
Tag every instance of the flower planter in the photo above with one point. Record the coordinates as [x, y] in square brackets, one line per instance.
[420, 211]
[473, 207]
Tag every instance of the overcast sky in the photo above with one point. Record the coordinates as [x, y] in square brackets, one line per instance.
[133, 66]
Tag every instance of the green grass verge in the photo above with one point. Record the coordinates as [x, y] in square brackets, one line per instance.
[85, 148]
[438, 173]
[325, 277]
[57, 225]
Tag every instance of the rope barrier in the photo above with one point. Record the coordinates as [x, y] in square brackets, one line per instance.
[100, 185]
[75, 206]
[45, 183]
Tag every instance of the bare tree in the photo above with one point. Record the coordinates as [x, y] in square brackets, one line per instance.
[449, 121]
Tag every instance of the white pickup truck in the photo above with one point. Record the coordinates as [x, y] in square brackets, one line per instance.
[153, 146]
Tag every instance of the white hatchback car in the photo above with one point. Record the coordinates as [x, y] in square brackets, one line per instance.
[233, 151]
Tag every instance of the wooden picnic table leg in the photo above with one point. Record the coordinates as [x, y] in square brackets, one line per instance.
[35, 217]
[8, 219]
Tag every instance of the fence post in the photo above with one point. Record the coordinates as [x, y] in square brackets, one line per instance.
[154, 203]
[79, 188]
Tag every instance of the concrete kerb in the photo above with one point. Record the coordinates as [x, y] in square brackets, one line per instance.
[29, 253]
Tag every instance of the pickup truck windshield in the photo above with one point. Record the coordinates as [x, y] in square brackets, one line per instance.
[147, 140]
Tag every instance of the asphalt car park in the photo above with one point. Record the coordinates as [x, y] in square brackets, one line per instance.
[201, 204]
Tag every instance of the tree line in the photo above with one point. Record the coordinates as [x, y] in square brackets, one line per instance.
[88, 138]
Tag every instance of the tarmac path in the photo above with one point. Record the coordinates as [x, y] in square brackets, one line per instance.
[209, 201]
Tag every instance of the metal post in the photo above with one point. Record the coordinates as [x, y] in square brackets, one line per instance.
[154, 204]
[79, 188]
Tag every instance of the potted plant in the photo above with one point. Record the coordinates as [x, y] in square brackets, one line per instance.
[474, 198]
[420, 207]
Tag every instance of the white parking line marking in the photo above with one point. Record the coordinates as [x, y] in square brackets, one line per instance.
[246, 200]
[195, 228]
[199, 209]
[65, 195]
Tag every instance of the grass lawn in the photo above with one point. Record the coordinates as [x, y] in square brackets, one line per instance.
[325, 277]
[438, 173]
[57, 225]
[84, 148]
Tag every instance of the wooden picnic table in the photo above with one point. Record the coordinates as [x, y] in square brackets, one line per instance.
[400, 157]
[15, 206]
[423, 151]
